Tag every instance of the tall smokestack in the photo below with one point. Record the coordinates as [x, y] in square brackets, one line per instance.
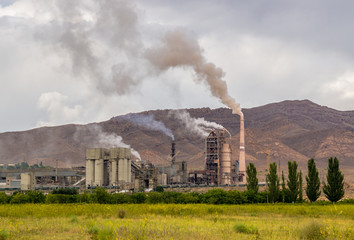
[242, 158]
[173, 151]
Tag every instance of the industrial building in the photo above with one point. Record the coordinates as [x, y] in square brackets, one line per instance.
[108, 167]
[220, 169]
[176, 173]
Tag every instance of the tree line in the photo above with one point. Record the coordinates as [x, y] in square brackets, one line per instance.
[291, 190]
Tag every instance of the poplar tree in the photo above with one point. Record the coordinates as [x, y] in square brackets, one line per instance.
[252, 180]
[293, 181]
[334, 189]
[313, 181]
[273, 183]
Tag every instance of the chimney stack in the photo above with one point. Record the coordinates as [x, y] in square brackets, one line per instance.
[242, 158]
[173, 151]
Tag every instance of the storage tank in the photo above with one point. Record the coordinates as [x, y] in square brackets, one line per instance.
[225, 164]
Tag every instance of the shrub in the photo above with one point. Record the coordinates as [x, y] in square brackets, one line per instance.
[119, 198]
[60, 198]
[138, 198]
[214, 196]
[159, 189]
[311, 231]
[35, 197]
[67, 191]
[4, 198]
[154, 197]
[243, 228]
[19, 198]
[121, 213]
[100, 195]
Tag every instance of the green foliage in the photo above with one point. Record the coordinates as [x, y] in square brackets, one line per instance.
[4, 198]
[138, 198]
[243, 228]
[313, 181]
[334, 189]
[100, 195]
[293, 181]
[35, 197]
[61, 198]
[119, 198]
[159, 189]
[252, 180]
[68, 191]
[19, 198]
[214, 196]
[273, 183]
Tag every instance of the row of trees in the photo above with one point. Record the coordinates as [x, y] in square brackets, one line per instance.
[291, 191]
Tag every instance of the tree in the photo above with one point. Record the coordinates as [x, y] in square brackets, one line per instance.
[313, 181]
[273, 183]
[252, 180]
[293, 181]
[334, 189]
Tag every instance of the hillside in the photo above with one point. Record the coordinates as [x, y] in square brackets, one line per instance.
[292, 130]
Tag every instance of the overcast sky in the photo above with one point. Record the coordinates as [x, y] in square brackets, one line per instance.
[64, 61]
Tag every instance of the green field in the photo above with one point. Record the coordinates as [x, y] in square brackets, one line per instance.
[172, 221]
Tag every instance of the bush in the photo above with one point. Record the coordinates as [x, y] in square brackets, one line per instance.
[159, 189]
[138, 198]
[186, 198]
[35, 197]
[154, 197]
[4, 198]
[214, 196]
[311, 231]
[100, 195]
[121, 213]
[19, 198]
[61, 198]
[243, 228]
[119, 198]
[67, 191]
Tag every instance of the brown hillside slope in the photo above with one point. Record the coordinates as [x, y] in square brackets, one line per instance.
[292, 130]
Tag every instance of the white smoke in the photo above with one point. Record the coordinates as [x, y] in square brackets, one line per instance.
[100, 139]
[198, 126]
[149, 122]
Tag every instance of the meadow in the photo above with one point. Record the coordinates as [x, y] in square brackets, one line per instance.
[176, 221]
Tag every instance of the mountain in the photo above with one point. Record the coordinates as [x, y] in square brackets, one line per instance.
[291, 130]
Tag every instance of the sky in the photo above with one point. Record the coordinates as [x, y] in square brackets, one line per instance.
[64, 61]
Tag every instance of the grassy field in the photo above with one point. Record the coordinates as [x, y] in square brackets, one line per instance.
[169, 221]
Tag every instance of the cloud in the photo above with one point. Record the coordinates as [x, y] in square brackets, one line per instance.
[93, 54]
[54, 104]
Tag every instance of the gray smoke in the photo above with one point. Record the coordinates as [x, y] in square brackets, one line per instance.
[177, 49]
[104, 42]
[198, 126]
[149, 122]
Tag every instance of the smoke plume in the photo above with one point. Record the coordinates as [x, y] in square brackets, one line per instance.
[198, 126]
[149, 122]
[177, 49]
[94, 136]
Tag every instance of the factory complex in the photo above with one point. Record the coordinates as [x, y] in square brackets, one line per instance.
[116, 169]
